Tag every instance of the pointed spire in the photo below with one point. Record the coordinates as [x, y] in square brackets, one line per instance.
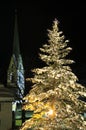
[16, 48]
[15, 75]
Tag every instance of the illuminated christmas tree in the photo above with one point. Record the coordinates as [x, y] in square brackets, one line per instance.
[55, 94]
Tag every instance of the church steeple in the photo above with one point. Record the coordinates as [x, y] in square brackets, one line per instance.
[15, 74]
[16, 48]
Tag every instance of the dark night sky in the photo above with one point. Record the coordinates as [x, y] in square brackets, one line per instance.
[34, 18]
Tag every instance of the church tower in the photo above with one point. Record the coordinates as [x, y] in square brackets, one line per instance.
[15, 74]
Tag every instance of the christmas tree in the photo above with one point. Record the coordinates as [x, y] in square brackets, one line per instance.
[55, 94]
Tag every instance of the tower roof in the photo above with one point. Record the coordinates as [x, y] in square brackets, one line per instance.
[16, 48]
[15, 74]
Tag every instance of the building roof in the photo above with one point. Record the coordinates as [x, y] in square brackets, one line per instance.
[6, 94]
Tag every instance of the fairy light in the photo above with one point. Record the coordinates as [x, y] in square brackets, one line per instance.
[50, 112]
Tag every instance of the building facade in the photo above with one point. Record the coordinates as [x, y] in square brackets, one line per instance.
[6, 98]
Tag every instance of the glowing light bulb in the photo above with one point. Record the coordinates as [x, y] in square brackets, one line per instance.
[50, 112]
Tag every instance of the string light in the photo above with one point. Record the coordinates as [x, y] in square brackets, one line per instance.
[50, 112]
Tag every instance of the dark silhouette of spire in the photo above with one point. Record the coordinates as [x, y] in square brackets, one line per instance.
[16, 48]
[15, 75]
